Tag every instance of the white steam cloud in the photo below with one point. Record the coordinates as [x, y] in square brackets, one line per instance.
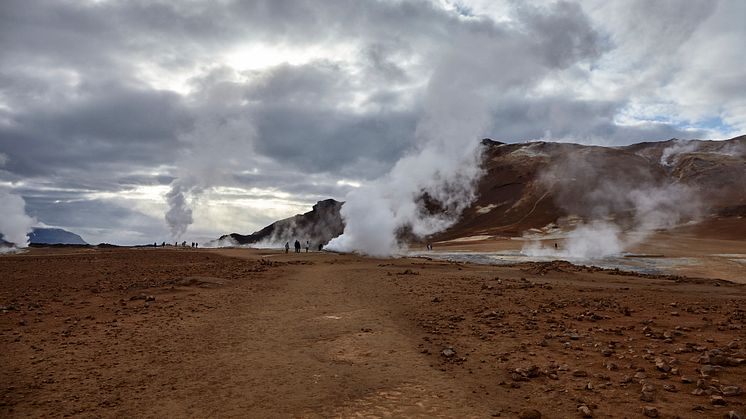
[179, 214]
[14, 223]
[427, 189]
[620, 206]
[670, 154]
[213, 150]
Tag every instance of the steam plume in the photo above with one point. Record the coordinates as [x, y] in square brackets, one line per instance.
[212, 152]
[179, 215]
[620, 206]
[14, 223]
[480, 65]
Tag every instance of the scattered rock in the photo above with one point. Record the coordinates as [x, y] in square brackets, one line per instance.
[734, 415]
[529, 414]
[718, 400]
[730, 391]
[448, 352]
[585, 411]
[579, 373]
[650, 412]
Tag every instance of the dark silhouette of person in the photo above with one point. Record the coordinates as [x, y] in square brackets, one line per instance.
[321, 246]
[287, 247]
[297, 246]
[308, 244]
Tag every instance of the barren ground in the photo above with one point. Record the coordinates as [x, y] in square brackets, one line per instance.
[247, 333]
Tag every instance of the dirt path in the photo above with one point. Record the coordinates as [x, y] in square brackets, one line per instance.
[328, 341]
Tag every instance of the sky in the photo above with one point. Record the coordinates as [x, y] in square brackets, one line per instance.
[119, 117]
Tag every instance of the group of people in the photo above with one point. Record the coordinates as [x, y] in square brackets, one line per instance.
[297, 246]
[176, 244]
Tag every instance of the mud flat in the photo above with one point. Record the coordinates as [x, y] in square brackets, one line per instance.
[251, 333]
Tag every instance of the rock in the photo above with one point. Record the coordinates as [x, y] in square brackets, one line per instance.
[138, 297]
[22, 322]
[730, 391]
[718, 400]
[650, 412]
[585, 411]
[734, 415]
[661, 365]
[579, 373]
[686, 380]
[529, 414]
[647, 396]
[670, 388]
[448, 352]
[150, 298]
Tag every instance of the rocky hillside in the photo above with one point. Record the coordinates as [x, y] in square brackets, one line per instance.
[531, 185]
[319, 226]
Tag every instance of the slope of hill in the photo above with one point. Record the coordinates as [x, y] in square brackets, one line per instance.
[318, 226]
[531, 185]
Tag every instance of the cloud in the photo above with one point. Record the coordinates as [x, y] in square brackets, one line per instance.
[102, 99]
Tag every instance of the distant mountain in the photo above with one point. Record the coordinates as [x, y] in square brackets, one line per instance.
[40, 235]
[319, 226]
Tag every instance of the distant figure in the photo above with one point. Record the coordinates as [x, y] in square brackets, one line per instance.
[163, 244]
[297, 246]
[308, 244]
[287, 247]
[429, 246]
[155, 244]
[321, 246]
[176, 244]
[555, 246]
[183, 244]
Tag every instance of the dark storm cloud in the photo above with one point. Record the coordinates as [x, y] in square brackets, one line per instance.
[106, 127]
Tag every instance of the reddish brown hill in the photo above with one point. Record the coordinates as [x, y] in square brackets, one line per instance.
[530, 185]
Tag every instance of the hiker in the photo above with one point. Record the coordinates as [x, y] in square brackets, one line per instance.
[287, 247]
[321, 246]
[308, 244]
[297, 246]
[555, 246]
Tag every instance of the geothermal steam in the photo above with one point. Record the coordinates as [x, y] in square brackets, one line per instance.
[482, 64]
[14, 223]
[212, 151]
[619, 206]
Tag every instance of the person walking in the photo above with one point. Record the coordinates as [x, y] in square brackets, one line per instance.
[308, 244]
[297, 246]
[287, 247]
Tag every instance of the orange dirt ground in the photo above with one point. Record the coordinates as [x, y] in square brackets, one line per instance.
[259, 333]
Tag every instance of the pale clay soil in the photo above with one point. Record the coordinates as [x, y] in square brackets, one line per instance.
[259, 333]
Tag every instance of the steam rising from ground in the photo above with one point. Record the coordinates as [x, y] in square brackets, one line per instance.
[619, 206]
[670, 154]
[213, 149]
[480, 66]
[179, 214]
[14, 223]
